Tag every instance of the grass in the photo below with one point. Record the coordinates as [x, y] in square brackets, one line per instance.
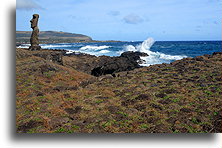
[159, 98]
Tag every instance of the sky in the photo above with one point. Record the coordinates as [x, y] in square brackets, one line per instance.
[126, 20]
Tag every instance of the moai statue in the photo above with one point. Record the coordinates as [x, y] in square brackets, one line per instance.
[35, 33]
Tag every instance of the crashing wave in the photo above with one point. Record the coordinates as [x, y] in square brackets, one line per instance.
[154, 57]
[89, 47]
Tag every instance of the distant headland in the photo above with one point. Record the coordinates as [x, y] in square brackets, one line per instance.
[47, 37]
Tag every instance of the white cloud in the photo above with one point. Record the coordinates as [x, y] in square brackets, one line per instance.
[27, 5]
[132, 19]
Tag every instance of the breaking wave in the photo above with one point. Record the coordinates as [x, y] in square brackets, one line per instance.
[89, 47]
[154, 57]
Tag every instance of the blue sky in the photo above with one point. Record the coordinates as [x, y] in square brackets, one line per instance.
[127, 20]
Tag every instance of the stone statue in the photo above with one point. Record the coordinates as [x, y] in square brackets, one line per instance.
[35, 33]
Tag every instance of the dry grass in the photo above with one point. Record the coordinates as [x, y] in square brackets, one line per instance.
[183, 97]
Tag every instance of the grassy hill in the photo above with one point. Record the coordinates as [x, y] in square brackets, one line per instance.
[181, 97]
[52, 37]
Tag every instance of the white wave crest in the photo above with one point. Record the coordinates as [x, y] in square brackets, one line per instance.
[154, 57]
[89, 47]
[104, 51]
[130, 48]
[49, 46]
[24, 46]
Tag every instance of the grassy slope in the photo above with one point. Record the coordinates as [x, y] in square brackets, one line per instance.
[184, 96]
[51, 36]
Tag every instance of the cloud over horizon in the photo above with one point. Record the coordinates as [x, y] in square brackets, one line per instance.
[132, 19]
[27, 5]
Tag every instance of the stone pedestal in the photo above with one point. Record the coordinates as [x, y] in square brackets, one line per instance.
[33, 48]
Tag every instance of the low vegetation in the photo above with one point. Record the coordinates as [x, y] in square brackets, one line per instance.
[181, 97]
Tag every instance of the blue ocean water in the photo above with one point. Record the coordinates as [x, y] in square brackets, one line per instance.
[158, 51]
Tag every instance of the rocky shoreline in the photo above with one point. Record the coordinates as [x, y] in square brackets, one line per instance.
[96, 66]
[79, 93]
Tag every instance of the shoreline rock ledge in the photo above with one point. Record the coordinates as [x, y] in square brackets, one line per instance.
[110, 65]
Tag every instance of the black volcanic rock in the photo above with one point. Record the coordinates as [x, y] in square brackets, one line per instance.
[133, 56]
[53, 56]
[102, 65]
[110, 65]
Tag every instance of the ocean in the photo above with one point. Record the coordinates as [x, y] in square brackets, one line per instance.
[158, 51]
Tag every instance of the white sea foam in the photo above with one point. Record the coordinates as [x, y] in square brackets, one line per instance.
[104, 51]
[89, 47]
[50, 46]
[130, 48]
[70, 51]
[154, 57]
[24, 46]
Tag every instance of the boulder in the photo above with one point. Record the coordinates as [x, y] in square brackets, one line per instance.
[110, 65]
[52, 56]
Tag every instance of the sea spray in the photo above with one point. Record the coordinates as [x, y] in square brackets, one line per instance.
[154, 57]
[88, 47]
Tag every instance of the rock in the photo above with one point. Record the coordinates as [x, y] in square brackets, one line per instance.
[217, 53]
[110, 65]
[103, 65]
[108, 76]
[52, 56]
[133, 56]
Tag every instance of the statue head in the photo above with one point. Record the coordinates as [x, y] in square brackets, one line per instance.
[34, 21]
